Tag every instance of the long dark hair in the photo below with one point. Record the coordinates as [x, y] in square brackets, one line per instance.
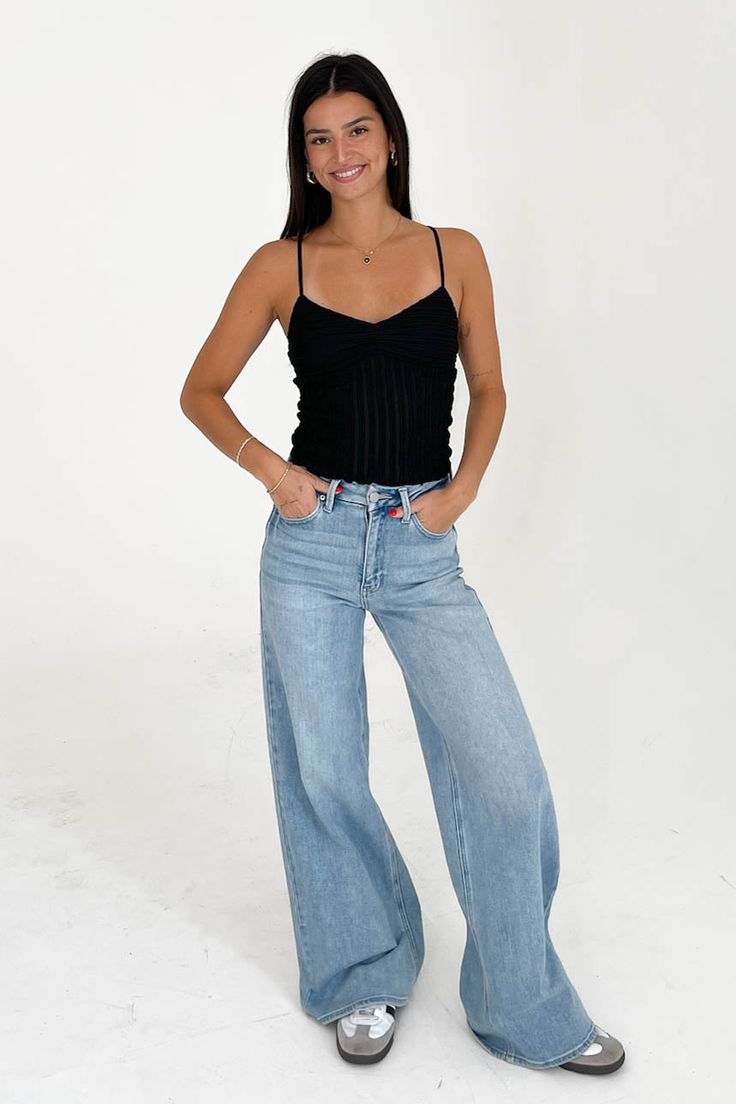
[309, 204]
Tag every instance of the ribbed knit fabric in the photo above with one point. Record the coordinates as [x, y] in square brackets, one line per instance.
[376, 398]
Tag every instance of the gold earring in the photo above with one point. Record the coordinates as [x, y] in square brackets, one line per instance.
[311, 177]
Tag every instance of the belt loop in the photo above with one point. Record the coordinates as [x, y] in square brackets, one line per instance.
[406, 504]
[330, 493]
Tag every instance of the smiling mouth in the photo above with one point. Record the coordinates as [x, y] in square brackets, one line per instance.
[349, 174]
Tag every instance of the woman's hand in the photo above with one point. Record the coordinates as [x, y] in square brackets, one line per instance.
[437, 510]
[296, 495]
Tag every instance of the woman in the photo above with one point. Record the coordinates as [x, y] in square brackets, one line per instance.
[376, 307]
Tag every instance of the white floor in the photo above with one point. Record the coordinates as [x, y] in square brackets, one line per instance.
[147, 952]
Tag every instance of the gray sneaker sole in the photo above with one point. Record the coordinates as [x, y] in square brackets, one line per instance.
[610, 1058]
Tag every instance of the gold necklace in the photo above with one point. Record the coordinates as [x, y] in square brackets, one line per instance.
[367, 253]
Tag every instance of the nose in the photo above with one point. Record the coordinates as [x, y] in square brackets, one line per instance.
[343, 153]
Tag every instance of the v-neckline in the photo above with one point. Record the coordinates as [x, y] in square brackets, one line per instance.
[367, 321]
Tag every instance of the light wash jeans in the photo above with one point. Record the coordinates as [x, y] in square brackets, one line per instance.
[355, 912]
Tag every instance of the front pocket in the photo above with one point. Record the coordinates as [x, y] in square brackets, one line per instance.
[307, 517]
[428, 532]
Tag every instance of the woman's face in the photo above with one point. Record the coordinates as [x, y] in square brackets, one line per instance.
[343, 131]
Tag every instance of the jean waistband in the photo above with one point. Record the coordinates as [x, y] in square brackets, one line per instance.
[373, 494]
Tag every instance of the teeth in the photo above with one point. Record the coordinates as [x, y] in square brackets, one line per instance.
[351, 172]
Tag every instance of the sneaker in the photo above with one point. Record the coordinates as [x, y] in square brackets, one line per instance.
[366, 1034]
[604, 1055]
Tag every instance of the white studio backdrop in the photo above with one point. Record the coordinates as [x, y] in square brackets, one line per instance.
[587, 146]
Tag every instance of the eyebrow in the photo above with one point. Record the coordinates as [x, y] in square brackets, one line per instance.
[326, 130]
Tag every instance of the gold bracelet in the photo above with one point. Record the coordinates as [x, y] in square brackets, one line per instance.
[245, 442]
[280, 480]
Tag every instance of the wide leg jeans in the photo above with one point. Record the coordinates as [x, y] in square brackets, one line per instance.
[355, 912]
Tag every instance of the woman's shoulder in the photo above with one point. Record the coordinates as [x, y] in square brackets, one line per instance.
[274, 258]
[458, 237]
[462, 250]
[279, 247]
[268, 271]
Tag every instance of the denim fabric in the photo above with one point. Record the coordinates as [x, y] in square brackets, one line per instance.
[355, 912]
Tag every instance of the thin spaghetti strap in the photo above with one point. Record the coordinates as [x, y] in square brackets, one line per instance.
[439, 254]
[299, 258]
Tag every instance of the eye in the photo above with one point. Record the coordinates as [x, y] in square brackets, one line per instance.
[318, 140]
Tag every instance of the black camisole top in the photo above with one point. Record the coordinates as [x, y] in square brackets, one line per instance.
[375, 398]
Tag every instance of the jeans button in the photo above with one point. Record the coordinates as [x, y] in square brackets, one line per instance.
[373, 496]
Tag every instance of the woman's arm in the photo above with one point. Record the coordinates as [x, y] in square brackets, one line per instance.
[245, 319]
[481, 360]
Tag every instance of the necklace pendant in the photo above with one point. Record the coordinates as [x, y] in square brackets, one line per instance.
[366, 260]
